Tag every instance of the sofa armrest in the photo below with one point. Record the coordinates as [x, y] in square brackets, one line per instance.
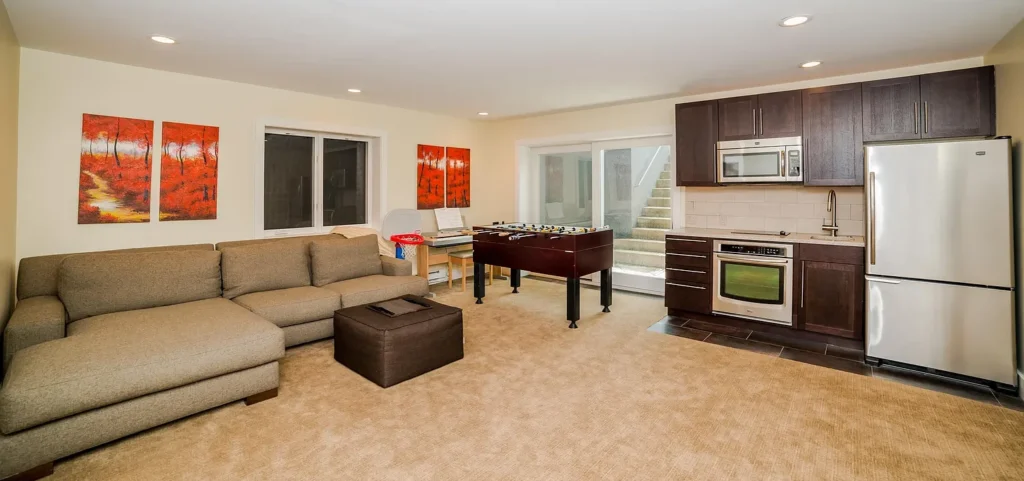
[34, 321]
[395, 267]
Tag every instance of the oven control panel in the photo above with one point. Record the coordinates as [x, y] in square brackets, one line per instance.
[757, 250]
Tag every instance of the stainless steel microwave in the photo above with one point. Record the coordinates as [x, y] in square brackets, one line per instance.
[761, 161]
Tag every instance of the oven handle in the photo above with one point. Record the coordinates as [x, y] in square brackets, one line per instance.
[754, 261]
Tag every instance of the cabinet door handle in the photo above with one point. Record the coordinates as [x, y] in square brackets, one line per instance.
[701, 241]
[753, 119]
[927, 118]
[917, 120]
[687, 255]
[803, 284]
[760, 118]
[685, 270]
[686, 286]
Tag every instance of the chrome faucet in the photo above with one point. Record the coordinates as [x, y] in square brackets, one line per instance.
[830, 206]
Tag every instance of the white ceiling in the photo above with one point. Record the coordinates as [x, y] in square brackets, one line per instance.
[513, 57]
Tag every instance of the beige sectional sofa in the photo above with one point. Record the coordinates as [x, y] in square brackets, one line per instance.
[103, 345]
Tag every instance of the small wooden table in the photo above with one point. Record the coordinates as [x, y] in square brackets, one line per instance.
[442, 246]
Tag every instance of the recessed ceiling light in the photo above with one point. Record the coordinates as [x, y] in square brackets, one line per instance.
[810, 64]
[162, 39]
[483, 113]
[794, 21]
[355, 91]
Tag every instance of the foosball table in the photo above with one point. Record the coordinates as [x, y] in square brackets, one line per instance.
[569, 252]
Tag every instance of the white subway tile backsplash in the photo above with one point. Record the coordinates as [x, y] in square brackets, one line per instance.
[788, 208]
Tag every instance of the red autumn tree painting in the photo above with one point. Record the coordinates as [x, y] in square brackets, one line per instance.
[188, 171]
[116, 168]
[429, 177]
[458, 177]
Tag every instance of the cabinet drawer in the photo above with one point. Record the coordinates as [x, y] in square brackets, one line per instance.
[688, 296]
[687, 244]
[688, 274]
[688, 259]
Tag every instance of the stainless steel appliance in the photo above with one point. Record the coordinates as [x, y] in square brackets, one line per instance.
[761, 161]
[753, 280]
[940, 260]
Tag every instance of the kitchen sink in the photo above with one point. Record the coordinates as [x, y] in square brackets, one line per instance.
[832, 238]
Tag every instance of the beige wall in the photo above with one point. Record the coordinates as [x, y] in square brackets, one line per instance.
[1008, 57]
[57, 89]
[9, 61]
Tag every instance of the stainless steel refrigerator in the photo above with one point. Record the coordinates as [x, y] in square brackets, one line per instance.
[940, 267]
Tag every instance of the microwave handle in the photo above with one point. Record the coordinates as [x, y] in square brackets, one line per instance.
[782, 164]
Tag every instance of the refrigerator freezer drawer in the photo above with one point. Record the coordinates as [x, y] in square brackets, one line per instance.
[959, 329]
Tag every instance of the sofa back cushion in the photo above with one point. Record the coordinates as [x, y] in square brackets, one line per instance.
[265, 266]
[341, 259]
[94, 284]
[37, 276]
[306, 240]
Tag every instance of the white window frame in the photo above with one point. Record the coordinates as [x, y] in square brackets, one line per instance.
[376, 173]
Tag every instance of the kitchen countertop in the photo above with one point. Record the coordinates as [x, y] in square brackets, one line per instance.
[796, 238]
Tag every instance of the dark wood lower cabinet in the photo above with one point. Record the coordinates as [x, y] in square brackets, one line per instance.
[831, 297]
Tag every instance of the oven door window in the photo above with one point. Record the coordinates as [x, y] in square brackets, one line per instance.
[761, 164]
[755, 283]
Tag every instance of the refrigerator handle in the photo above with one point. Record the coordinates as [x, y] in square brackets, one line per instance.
[880, 279]
[871, 213]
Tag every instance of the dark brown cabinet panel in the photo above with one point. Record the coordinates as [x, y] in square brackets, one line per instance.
[688, 296]
[696, 134]
[960, 103]
[779, 115]
[831, 290]
[737, 118]
[892, 109]
[833, 136]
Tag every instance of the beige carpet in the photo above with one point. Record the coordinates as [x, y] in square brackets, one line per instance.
[533, 400]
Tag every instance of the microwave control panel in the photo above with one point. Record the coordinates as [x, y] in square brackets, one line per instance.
[794, 163]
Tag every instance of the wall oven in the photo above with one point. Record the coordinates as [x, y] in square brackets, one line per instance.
[753, 280]
[761, 161]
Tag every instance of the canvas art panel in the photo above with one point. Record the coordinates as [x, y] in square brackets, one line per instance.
[115, 170]
[457, 175]
[429, 177]
[188, 171]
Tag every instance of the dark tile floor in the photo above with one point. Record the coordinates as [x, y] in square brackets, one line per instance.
[826, 355]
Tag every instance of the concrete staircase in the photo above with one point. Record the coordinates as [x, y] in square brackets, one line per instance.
[644, 249]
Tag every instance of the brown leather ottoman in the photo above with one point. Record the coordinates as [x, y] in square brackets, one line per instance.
[389, 350]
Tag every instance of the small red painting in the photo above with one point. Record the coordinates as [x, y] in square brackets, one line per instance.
[429, 177]
[188, 172]
[116, 170]
[458, 177]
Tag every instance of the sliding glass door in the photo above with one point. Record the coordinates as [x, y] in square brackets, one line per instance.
[623, 184]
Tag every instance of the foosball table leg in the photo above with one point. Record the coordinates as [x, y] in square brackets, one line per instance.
[572, 301]
[514, 280]
[479, 273]
[606, 289]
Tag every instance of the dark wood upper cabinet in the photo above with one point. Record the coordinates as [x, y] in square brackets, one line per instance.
[696, 134]
[892, 109]
[833, 136]
[960, 103]
[831, 290]
[760, 116]
[737, 118]
[779, 114]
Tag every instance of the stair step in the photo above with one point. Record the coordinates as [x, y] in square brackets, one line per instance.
[661, 192]
[640, 258]
[664, 184]
[644, 245]
[659, 202]
[656, 222]
[666, 175]
[650, 233]
[664, 212]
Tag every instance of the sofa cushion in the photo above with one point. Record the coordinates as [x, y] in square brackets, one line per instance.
[37, 276]
[287, 307]
[364, 290]
[342, 259]
[265, 267]
[94, 284]
[115, 357]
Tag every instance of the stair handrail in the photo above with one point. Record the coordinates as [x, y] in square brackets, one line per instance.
[649, 164]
